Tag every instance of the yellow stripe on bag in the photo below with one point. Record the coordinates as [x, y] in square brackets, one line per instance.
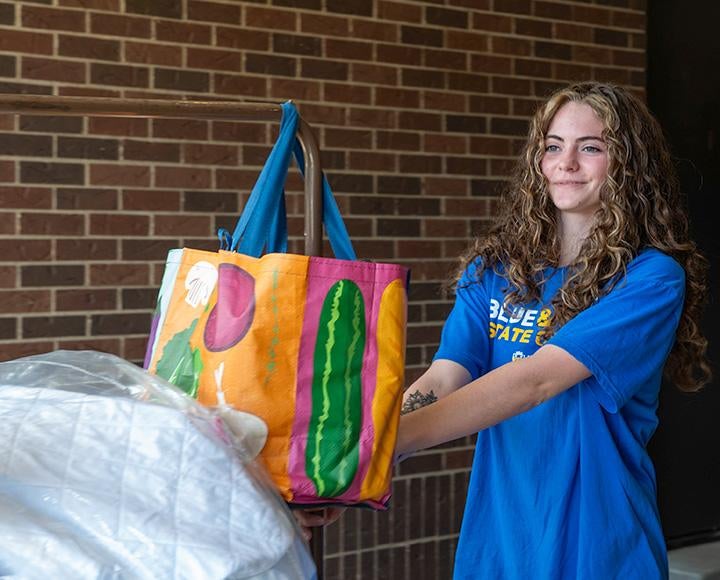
[388, 391]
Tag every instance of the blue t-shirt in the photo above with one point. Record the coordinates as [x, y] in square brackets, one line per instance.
[567, 489]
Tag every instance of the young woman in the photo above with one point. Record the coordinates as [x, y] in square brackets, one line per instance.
[565, 317]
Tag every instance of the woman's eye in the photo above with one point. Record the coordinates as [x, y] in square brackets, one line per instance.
[551, 148]
[592, 149]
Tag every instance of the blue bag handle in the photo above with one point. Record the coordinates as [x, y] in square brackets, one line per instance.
[263, 222]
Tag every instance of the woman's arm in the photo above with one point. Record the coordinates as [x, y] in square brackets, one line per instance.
[502, 393]
[442, 378]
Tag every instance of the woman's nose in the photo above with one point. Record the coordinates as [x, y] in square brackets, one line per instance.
[568, 161]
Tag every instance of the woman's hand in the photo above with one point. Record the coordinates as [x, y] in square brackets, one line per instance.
[311, 518]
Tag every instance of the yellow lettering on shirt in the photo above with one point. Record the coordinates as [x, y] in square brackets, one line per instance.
[544, 319]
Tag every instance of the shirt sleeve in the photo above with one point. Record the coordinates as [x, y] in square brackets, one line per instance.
[464, 338]
[626, 336]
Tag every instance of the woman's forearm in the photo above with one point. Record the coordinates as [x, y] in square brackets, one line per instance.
[502, 393]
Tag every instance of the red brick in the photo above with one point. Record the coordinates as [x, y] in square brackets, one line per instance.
[148, 53]
[126, 323]
[380, 118]
[374, 73]
[251, 86]
[121, 126]
[214, 59]
[511, 45]
[270, 19]
[591, 54]
[183, 225]
[52, 224]
[590, 14]
[27, 251]
[25, 197]
[326, 25]
[108, 345]
[533, 68]
[356, 94]
[393, 53]
[180, 129]
[242, 38]
[369, 161]
[134, 348]
[185, 32]
[347, 49]
[399, 12]
[27, 301]
[444, 101]
[632, 20]
[373, 30]
[627, 58]
[20, 41]
[8, 276]
[117, 25]
[86, 198]
[159, 8]
[85, 249]
[118, 174]
[235, 178]
[323, 114]
[183, 177]
[47, 69]
[120, 75]
[119, 225]
[490, 146]
[151, 151]
[59, 173]
[446, 186]
[439, 143]
[150, 200]
[398, 140]
[52, 275]
[347, 138]
[8, 223]
[109, 5]
[144, 250]
[25, 348]
[239, 131]
[488, 64]
[284, 88]
[213, 12]
[7, 171]
[119, 275]
[574, 32]
[491, 22]
[88, 48]
[397, 98]
[501, 167]
[446, 59]
[53, 18]
[205, 154]
[7, 122]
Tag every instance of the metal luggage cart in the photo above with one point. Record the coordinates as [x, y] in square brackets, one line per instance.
[199, 110]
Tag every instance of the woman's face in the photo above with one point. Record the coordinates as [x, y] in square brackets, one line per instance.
[575, 162]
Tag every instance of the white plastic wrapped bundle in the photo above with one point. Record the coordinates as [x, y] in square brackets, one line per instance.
[107, 472]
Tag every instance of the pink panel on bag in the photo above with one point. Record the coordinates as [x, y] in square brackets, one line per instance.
[372, 279]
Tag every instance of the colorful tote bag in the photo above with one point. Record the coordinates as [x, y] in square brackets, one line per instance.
[313, 346]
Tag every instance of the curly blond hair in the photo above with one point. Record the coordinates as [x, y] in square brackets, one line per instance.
[640, 207]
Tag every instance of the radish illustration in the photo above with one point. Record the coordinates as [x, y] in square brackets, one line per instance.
[232, 315]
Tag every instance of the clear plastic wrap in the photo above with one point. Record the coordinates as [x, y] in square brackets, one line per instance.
[108, 472]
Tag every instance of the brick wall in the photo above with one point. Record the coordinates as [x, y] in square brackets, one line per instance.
[418, 106]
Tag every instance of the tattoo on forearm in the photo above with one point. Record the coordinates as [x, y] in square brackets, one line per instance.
[417, 400]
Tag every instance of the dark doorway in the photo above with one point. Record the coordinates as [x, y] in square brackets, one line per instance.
[684, 93]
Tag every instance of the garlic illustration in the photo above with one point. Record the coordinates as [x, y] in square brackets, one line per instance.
[200, 283]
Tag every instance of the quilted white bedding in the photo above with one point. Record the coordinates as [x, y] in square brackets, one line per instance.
[96, 486]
